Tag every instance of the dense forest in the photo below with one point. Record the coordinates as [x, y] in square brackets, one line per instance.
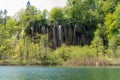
[84, 32]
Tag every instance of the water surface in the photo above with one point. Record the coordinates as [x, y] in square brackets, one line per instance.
[57, 73]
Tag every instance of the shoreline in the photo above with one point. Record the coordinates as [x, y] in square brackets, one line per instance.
[113, 65]
[51, 66]
[75, 62]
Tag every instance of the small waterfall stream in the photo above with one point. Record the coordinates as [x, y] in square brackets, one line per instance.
[43, 30]
[32, 31]
[65, 34]
[22, 33]
[60, 34]
[74, 36]
[18, 34]
[54, 37]
[14, 36]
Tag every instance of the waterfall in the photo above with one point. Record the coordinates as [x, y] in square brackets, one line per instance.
[65, 34]
[54, 38]
[14, 36]
[60, 33]
[43, 29]
[18, 34]
[74, 37]
[85, 35]
[32, 31]
[22, 33]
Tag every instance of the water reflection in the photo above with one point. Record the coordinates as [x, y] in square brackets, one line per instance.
[53, 73]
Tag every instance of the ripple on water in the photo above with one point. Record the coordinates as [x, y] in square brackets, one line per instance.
[53, 73]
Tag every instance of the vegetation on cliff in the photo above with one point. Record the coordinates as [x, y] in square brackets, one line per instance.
[84, 32]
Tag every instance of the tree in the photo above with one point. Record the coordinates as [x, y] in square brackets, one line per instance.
[113, 27]
[56, 15]
[30, 18]
[97, 42]
[45, 14]
[83, 13]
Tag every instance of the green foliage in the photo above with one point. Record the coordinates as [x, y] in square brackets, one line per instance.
[66, 53]
[113, 29]
[109, 22]
[56, 14]
[99, 20]
[97, 42]
[44, 50]
[79, 10]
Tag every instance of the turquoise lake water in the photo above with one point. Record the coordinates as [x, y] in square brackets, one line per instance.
[57, 73]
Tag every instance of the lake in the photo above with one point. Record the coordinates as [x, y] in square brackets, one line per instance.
[57, 73]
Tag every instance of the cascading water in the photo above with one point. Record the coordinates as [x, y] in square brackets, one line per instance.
[54, 38]
[22, 33]
[85, 35]
[32, 31]
[74, 37]
[18, 34]
[65, 34]
[14, 36]
[43, 29]
[60, 34]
